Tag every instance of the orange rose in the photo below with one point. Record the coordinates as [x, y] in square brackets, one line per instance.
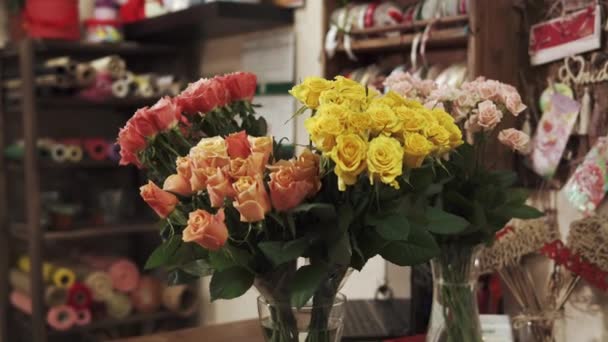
[184, 167]
[238, 145]
[251, 166]
[307, 169]
[200, 176]
[219, 187]
[205, 229]
[210, 152]
[261, 145]
[161, 201]
[286, 191]
[252, 200]
[178, 184]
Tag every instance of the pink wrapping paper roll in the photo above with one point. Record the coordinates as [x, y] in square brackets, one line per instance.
[21, 302]
[83, 317]
[61, 317]
[147, 297]
[122, 271]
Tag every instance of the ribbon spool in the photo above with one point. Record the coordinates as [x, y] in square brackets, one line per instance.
[97, 149]
[64, 277]
[83, 317]
[73, 154]
[118, 306]
[100, 285]
[120, 89]
[114, 65]
[114, 152]
[58, 153]
[85, 74]
[124, 275]
[54, 295]
[147, 297]
[21, 302]
[180, 299]
[61, 317]
[79, 296]
[19, 281]
[24, 265]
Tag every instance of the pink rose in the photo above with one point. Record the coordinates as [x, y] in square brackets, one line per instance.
[161, 201]
[205, 229]
[184, 167]
[238, 145]
[165, 113]
[252, 166]
[200, 177]
[262, 145]
[488, 115]
[514, 104]
[130, 143]
[219, 187]
[143, 124]
[178, 184]
[515, 139]
[286, 192]
[252, 200]
[203, 96]
[240, 85]
[488, 90]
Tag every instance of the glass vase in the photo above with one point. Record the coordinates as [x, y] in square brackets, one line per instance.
[534, 328]
[454, 314]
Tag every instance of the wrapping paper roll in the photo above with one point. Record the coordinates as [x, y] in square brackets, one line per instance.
[59, 153]
[101, 88]
[54, 296]
[118, 305]
[97, 149]
[64, 277]
[180, 299]
[147, 297]
[83, 317]
[61, 317]
[85, 74]
[19, 281]
[24, 265]
[120, 88]
[124, 275]
[113, 65]
[21, 301]
[79, 296]
[100, 284]
[73, 153]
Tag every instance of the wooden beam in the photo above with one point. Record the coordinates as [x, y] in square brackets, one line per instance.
[4, 234]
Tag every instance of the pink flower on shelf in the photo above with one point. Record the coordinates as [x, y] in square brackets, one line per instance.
[488, 115]
[240, 85]
[203, 96]
[515, 139]
[206, 229]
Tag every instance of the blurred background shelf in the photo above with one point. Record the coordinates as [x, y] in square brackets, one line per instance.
[84, 164]
[212, 20]
[19, 230]
[56, 47]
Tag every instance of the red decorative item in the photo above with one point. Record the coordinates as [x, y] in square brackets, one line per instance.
[79, 296]
[56, 19]
[133, 10]
[97, 148]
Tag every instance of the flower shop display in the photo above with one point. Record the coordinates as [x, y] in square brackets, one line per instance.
[483, 200]
[234, 210]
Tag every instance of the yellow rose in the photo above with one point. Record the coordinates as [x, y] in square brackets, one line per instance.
[416, 148]
[439, 136]
[358, 122]
[351, 93]
[442, 117]
[394, 100]
[383, 119]
[332, 109]
[415, 123]
[349, 156]
[323, 130]
[385, 160]
[455, 135]
[308, 92]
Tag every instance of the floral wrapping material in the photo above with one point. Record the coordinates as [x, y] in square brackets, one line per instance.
[588, 185]
[552, 134]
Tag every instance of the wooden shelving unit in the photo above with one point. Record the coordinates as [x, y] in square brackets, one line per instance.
[19, 230]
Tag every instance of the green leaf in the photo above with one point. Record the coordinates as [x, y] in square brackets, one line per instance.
[160, 256]
[421, 179]
[199, 268]
[420, 247]
[305, 282]
[179, 277]
[394, 227]
[505, 178]
[340, 252]
[517, 196]
[442, 223]
[230, 283]
[220, 260]
[523, 212]
[323, 211]
[279, 252]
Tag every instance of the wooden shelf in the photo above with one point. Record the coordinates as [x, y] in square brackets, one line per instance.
[46, 102]
[56, 47]
[212, 20]
[444, 38]
[19, 230]
[84, 164]
[458, 20]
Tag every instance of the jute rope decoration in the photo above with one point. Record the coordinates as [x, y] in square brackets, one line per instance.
[589, 239]
[518, 239]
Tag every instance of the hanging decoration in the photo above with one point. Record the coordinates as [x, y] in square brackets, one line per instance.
[576, 71]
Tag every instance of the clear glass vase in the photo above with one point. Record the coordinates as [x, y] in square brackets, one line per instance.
[534, 328]
[281, 322]
[454, 314]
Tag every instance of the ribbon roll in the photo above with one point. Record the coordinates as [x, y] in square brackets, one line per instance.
[120, 88]
[79, 296]
[97, 149]
[64, 277]
[19, 281]
[54, 296]
[113, 65]
[124, 275]
[147, 297]
[114, 152]
[21, 302]
[24, 265]
[100, 285]
[180, 299]
[61, 317]
[73, 153]
[83, 317]
[118, 306]
[58, 153]
[85, 75]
